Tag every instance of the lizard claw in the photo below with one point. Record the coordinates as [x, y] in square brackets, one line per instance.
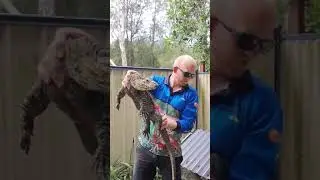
[100, 163]
[146, 133]
[118, 106]
[25, 143]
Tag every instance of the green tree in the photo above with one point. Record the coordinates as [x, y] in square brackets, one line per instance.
[142, 51]
[168, 55]
[312, 16]
[115, 53]
[144, 55]
[190, 27]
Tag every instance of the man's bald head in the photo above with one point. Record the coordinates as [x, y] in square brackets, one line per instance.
[182, 65]
[256, 17]
[186, 62]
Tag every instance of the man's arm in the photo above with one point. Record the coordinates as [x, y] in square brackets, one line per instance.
[257, 158]
[189, 114]
[153, 78]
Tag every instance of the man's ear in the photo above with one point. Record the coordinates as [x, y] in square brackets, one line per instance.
[175, 69]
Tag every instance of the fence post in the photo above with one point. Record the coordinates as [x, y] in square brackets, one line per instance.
[202, 67]
[277, 74]
[277, 59]
[197, 89]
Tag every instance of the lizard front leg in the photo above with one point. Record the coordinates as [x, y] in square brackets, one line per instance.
[34, 104]
[120, 95]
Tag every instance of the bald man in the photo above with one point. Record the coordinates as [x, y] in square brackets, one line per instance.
[178, 101]
[245, 114]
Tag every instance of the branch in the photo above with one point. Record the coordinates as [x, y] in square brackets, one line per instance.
[9, 7]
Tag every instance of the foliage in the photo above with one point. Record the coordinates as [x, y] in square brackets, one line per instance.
[142, 53]
[311, 12]
[190, 26]
[282, 8]
[123, 171]
[149, 48]
[312, 16]
[167, 55]
[71, 8]
[161, 56]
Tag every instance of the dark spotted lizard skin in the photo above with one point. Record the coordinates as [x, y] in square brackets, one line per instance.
[87, 106]
[137, 89]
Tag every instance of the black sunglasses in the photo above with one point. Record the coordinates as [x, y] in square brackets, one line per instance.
[249, 42]
[186, 74]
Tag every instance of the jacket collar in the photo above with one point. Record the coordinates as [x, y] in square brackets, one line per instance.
[237, 86]
[167, 82]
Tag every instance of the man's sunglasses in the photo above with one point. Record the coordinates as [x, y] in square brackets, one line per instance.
[248, 42]
[186, 74]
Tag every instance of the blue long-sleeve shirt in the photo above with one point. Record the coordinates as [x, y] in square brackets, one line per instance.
[246, 126]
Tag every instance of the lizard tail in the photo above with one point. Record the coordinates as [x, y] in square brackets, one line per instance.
[170, 152]
[173, 164]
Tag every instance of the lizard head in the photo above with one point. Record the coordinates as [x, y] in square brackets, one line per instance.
[79, 55]
[88, 63]
[139, 82]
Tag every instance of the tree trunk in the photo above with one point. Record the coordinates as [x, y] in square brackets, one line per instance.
[123, 33]
[46, 8]
[295, 19]
[9, 7]
[153, 33]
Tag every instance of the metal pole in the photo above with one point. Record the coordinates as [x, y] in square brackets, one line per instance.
[197, 88]
[277, 59]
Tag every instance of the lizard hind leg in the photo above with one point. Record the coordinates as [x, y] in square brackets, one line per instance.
[146, 118]
[146, 130]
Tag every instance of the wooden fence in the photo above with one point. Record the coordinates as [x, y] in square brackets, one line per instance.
[300, 95]
[124, 123]
[56, 151]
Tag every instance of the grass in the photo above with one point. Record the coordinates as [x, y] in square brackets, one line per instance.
[123, 171]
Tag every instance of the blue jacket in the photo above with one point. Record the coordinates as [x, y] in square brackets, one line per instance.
[182, 101]
[246, 125]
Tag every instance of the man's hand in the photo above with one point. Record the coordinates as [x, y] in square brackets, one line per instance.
[168, 122]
